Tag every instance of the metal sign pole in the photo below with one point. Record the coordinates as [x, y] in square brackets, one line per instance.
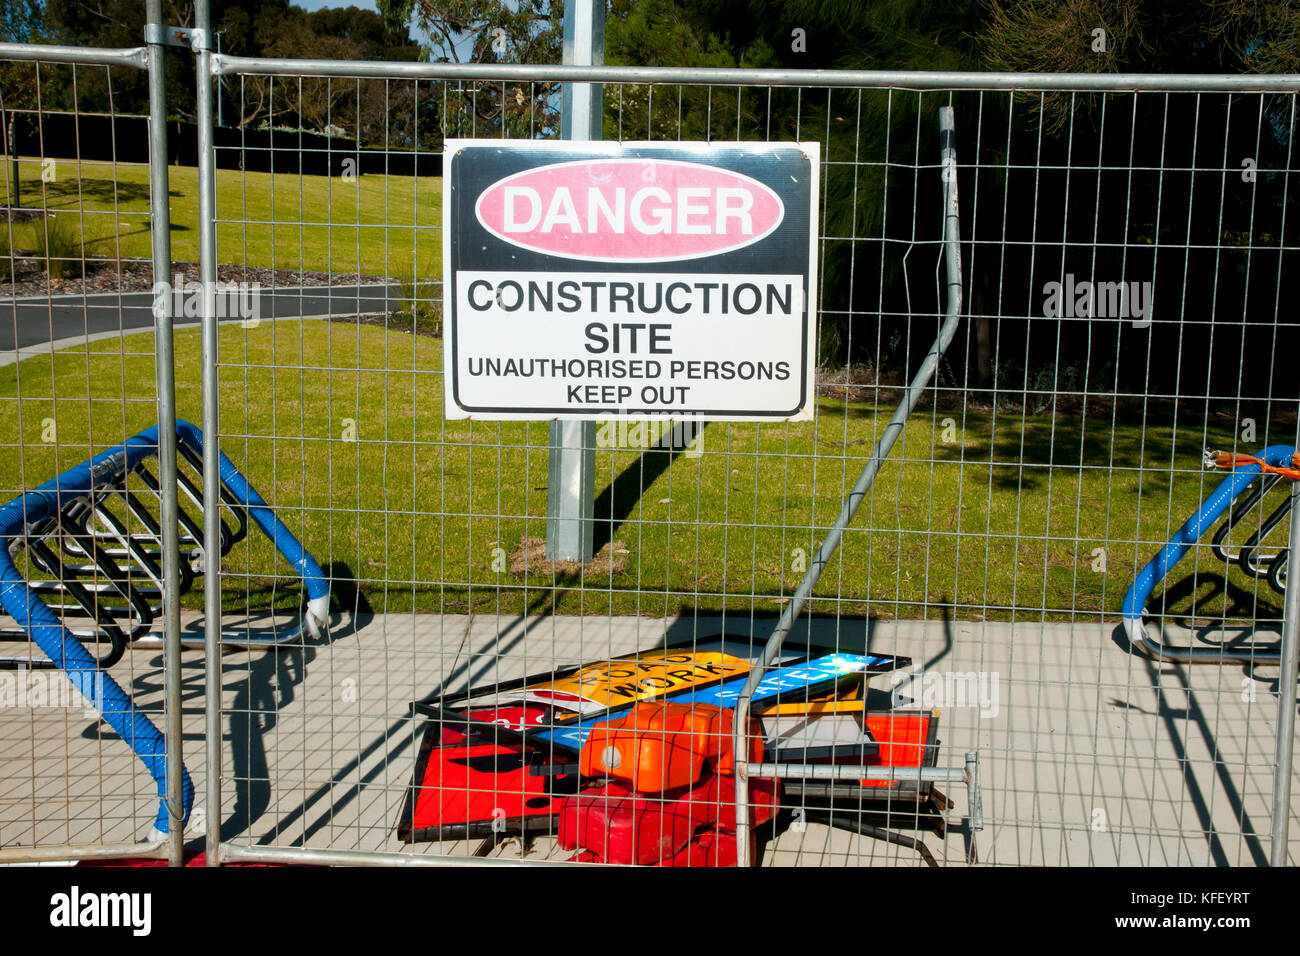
[571, 483]
[1286, 690]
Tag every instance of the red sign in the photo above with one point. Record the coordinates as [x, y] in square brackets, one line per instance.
[629, 210]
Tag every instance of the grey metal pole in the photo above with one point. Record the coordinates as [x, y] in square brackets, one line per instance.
[823, 771]
[571, 481]
[219, 79]
[165, 377]
[136, 56]
[303, 856]
[745, 77]
[211, 434]
[952, 257]
[1286, 690]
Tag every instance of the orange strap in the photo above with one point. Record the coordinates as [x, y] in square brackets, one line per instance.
[1223, 459]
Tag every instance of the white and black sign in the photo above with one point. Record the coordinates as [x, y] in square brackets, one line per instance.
[636, 279]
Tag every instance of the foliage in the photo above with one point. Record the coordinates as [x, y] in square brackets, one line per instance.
[58, 245]
[488, 31]
[374, 111]
[20, 21]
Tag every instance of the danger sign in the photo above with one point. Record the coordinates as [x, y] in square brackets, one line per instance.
[585, 280]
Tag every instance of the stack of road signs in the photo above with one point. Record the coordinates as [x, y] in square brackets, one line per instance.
[505, 759]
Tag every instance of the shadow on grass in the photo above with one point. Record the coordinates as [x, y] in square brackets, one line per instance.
[615, 504]
[77, 191]
[1023, 447]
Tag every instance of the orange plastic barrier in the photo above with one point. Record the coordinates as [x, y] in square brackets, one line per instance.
[665, 746]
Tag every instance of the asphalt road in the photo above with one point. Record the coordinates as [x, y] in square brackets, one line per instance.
[28, 322]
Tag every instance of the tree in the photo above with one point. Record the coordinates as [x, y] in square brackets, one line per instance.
[870, 139]
[365, 109]
[111, 23]
[1155, 153]
[669, 33]
[368, 109]
[489, 31]
[484, 31]
[21, 21]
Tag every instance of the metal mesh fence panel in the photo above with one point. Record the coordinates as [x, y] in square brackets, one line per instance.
[1124, 287]
[1123, 314]
[76, 378]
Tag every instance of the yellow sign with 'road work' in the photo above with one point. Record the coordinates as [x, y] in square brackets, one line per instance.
[626, 680]
[614, 683]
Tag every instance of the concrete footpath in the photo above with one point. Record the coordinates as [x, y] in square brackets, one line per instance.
[1089, 753]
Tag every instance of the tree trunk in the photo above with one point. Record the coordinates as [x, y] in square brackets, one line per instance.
[983, 333]
[11, 147]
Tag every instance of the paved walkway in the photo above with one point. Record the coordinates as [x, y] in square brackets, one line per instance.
[1090, 755]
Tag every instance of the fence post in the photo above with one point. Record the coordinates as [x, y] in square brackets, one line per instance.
[211, 445]
[1286, 691]
[921, 381]
[571, 481]
[165, 377]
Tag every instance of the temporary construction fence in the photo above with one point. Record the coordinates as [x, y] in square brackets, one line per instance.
[1074, 284]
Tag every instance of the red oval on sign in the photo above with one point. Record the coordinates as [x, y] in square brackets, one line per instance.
[629, 210]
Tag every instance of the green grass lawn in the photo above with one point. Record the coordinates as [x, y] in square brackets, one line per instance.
[378, 225]
[340, 428]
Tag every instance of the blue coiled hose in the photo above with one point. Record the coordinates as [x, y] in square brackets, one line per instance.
[1219, 501]
[289, 547]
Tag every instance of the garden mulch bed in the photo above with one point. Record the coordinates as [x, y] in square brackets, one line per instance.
[25, 276]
